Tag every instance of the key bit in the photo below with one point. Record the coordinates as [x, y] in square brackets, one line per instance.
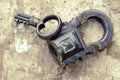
[27, 19]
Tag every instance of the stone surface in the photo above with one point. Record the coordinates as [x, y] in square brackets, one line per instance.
[24, 56]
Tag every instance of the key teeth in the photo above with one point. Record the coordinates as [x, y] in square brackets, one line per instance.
[21, 21]
[26, 19]
[20, 18]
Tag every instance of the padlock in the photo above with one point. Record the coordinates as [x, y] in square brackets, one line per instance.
[66, 43]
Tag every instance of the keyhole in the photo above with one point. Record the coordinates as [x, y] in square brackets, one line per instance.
[91, 31]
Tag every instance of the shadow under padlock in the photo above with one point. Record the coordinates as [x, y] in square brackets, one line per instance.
[65, 42]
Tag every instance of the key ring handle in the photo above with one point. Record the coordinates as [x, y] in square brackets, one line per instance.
[106, 23]
[54, 33]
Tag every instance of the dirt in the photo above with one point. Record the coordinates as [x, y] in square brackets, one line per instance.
[24, 56]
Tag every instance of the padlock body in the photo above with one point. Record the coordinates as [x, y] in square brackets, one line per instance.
[68, 42]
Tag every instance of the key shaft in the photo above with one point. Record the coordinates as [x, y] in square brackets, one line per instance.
[27, 19]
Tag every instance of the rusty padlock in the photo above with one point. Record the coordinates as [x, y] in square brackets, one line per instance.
[66, 43]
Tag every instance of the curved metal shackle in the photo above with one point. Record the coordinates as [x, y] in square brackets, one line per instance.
[53, 33]
[106, 23]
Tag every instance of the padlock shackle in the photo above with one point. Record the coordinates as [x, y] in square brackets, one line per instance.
[106, 23]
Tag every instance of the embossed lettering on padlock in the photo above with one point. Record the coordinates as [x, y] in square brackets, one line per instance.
[66, 43]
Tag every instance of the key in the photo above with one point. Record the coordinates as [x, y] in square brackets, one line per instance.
[27, 19]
